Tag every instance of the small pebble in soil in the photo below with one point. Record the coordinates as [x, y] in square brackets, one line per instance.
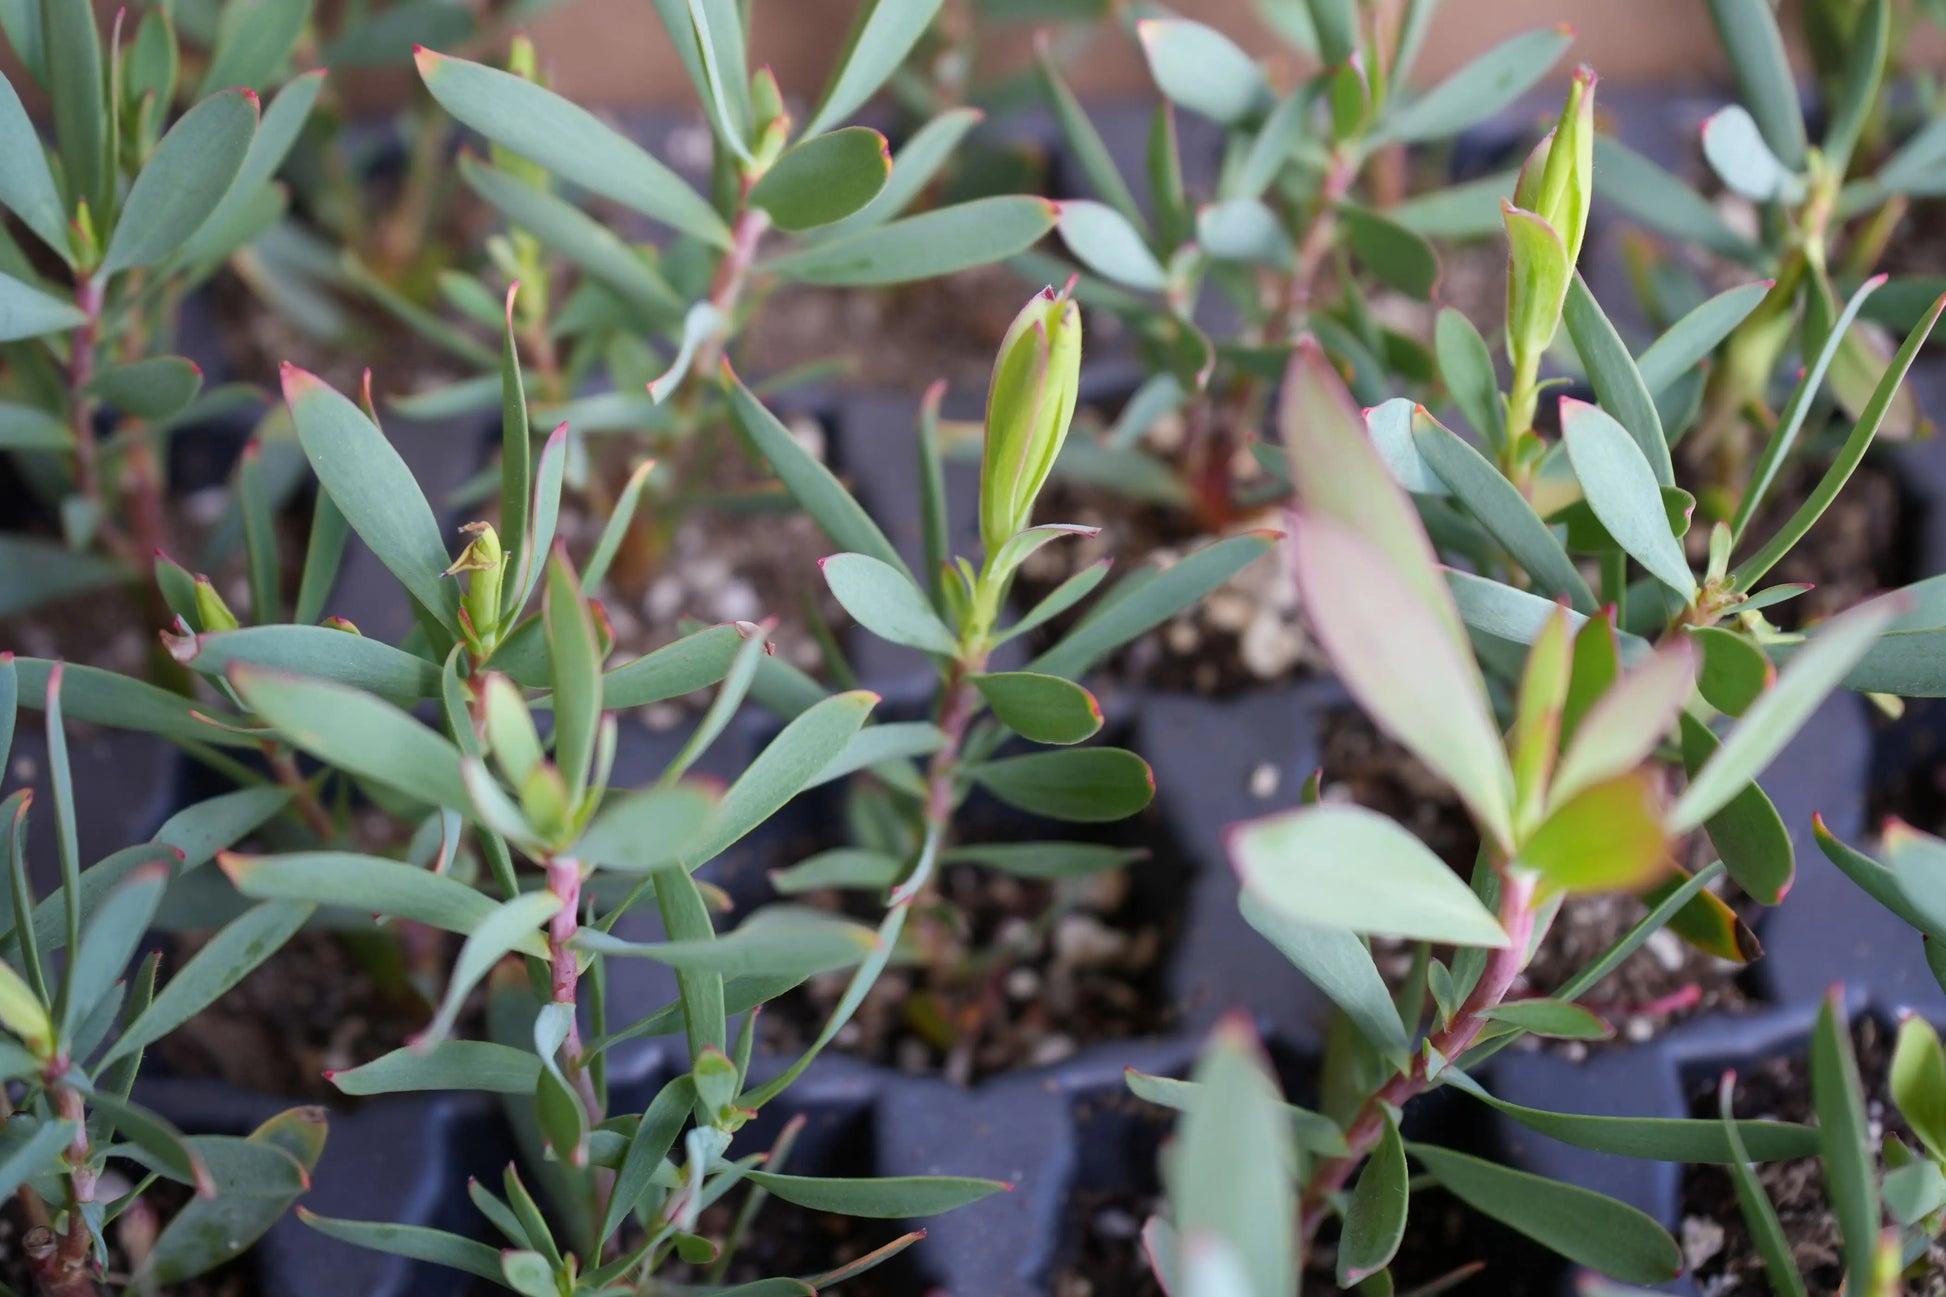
[1263, 781]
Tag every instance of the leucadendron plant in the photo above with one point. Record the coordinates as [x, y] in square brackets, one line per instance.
[957, 614]
[1824, 207]
[1305, 227]
[128, 211]
[532, 857]
[1568, 798]
[624, 338]
[78, 1158]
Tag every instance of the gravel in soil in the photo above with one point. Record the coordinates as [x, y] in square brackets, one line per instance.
[325, 1002]
[159, 1205]
[1665, 982]
[1717, 1246]
[1244, 635]
[903, 338]
[1024, 972]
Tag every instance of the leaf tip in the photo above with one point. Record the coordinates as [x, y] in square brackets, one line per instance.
[297, 382]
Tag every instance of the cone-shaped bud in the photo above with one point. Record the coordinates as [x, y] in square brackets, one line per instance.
[1030, 404]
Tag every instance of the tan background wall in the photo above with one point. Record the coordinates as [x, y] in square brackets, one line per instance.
[614, 51]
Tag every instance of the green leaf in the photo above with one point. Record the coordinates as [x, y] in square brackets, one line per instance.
[253, 43]
[155, 388]
[105, 698]
[884, 747]
[1755, 46]
[1084, 785]
[380, 886]
[26, 427]
[1391, 425]
[1084, 141]
[569, 141]
[322, 652]
[1400, 258]
[1846, 1142]
[1106, 242]
[1737, 153]
[1375, 1212]
[183, 182]
[880, 1198]
[1620, 486]
[1662, 1139]
[926, 246]
[27, 312]
[1232, 1176]
[1918, 1083]
[1043, 708]
[448, 1065]
[109, 943]
[1337, 962]
[882, 598]
[878, 45]
[1315, 1133]
[356, 732]
[1767, 1232]
[1774, 718]
[1747, 833]
[585, 242]
[528, 1273]
[815, 488]
[1587, 1228]
[35, 1155]
[1617, 382]
[645, 831]
[824, 179]
[1735, 671]
[1559, 1019]
[72, 74]
[1392, 652]
[779, 941]
[1627, 719]
[839, 867]
[1050, 860]
[1607, 837]
[1487, 85]
[414, 1241]
[917, 163]
[209, 826]
[1244, 230]
[512, 925]
[576, 660]
[1746, 574]
[27, 187]
[1466, 367]
[1692, 338]
[159, 1144]
[1500, 507]
[372, 486]
[1538, 277]
[1161, 595]
[1199, 68]
[1347, 867]
[791, 763]
[693, 662]
[226, 959]
[256, 1180]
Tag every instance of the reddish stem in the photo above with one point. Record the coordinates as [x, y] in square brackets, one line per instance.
[1453, 1040]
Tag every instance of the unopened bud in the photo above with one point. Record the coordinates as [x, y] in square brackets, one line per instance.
[485, 566]
[1030, 404]
[211, 610]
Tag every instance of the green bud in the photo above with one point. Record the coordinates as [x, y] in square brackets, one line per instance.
[545, 802]
[524, 63]
[1557, 182]
[1029, 407]
[22, 1013]
[509, 730]
[211, 610]
[485, 567]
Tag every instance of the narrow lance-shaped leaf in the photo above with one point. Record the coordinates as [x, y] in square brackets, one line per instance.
[184, 181]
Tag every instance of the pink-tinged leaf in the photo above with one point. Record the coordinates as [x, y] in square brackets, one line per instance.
[1624, 724]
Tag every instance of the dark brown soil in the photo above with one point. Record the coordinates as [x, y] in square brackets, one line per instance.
[790, 1241]
[901, 339]
[1665, 982]
[1861, 545]
[721, 562]
[238, 1278]
[1024, 972]
[1717, 1246]
[1105, 1226]
[1244, 635]
[325, 1002]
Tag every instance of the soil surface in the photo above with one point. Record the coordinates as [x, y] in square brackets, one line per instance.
[744, 557]
[902, 338]
[1024, 973]
[1663, 983]
[1244, 635]
[1717, 1247]
[238, 1278]
[323, 1003]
